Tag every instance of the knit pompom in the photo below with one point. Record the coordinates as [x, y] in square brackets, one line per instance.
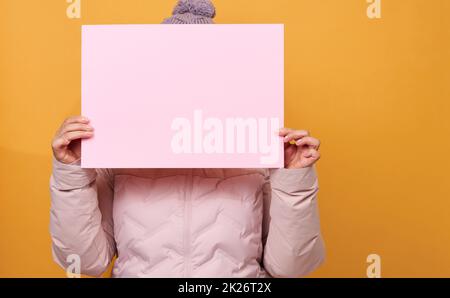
[197, 7]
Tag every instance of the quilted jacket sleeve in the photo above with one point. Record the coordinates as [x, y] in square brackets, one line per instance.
[291, 227]
[81, 216]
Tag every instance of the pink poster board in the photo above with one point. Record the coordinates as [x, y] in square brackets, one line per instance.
[183, 96]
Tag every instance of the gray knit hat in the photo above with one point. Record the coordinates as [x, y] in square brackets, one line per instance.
[192, 12]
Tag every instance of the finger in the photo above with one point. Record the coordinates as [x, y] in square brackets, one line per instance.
[76, 127]
[68, 137]
[311, 158]
[309, 141]
[73, 119]
[284, 131]
[295, 135]
[59, 143]
[76, 119]
[312, 154]
[75, 135]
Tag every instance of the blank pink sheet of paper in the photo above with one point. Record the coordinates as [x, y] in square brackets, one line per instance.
[183, 96]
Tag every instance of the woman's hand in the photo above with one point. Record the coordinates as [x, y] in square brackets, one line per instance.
[66, 144]
[300, 150]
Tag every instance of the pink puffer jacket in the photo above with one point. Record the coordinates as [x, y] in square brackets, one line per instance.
[186, 222]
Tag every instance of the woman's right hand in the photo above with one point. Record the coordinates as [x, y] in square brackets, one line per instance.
[66, 144]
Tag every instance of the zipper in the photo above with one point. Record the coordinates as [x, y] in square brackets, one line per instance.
[187, 222]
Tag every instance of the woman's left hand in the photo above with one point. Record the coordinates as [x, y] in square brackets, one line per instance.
[300, 149]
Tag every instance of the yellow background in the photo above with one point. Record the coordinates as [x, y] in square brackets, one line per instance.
[376, 92]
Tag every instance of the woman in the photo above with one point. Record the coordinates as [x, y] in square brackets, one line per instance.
[186, 222]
